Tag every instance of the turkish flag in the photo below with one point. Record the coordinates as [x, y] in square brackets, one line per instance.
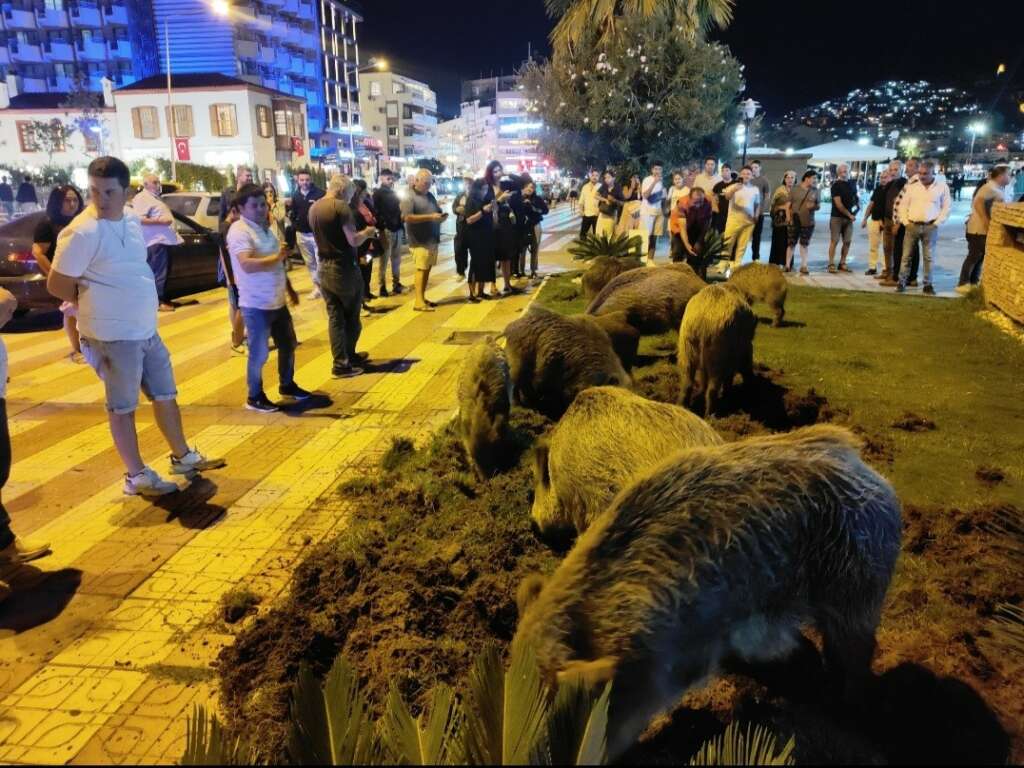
[297, 146]
[181, 149]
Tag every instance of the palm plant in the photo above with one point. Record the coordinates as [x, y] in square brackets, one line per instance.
[617, 245]
[755, 746]
[509, 718]
[577, 17]
[712, 247]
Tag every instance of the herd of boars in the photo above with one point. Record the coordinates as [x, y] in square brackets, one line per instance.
[687, 550]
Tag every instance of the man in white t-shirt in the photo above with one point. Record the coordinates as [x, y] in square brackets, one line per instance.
[100, 263]
[158, 231]
[744, 208]
[12, 549]
[652, 220]
[258, 260]
[709, 177]
[589, 204]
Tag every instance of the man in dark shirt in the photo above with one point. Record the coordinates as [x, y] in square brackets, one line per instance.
[306, 193]
[765, 188]
[719, 202]
[389, 217]
[874, 221]
[845, 205]
[6, 197]
[461, 242]
[332, 225]
[27, 200]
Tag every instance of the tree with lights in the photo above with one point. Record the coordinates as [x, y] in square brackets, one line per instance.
[646, 92]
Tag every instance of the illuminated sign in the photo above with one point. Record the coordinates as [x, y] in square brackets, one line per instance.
[520, 127]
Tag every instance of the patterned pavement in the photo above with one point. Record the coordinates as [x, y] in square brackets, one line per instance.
[106, 645]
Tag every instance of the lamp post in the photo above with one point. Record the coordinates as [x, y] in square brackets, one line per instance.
[380, 65]
[749, 109]
[974, 129]
[220, 8]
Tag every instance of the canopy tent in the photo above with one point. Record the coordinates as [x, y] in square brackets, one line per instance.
[846, 151]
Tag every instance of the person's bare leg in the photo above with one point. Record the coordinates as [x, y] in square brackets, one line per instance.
[168, 419]
[71, 329]
[420, 286]
[126, 440]
[803, 256]
[237, 327]
[506, 274]
[831, 252]
[789, 258]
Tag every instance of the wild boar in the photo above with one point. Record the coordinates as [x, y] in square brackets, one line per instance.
[762, 282]
[624, 337]
[602, 270]
[485, 396]
[552, 358]
[607, 436]
[716, 341]
[653, 299]
[720, 551]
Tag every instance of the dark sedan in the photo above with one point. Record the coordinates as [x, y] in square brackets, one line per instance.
[193, 264]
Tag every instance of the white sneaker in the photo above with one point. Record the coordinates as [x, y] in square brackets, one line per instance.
[194, 461]
[148, 484]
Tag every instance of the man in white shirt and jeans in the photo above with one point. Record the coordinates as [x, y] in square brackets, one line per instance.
[652, 220]
[923, 209]
[159, 232]
[100, 263]
[258, 260]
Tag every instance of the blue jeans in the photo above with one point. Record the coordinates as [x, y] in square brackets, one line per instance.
[928, 235]
[156, 256]
[392, 251]
[260, 326]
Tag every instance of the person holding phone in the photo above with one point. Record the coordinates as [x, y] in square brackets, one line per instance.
[480, 237]
[503, 220]
[423, 217]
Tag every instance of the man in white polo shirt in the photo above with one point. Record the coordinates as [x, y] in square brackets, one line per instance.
[158, 231]
[258, 261]
[100, 263]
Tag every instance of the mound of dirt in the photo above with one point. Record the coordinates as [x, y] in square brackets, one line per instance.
[911, 422]
[424, 575]
[990, 476]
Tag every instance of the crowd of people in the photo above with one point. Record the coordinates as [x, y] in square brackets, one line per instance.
[907, 206]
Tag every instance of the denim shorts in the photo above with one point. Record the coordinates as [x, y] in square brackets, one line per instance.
[127, 366]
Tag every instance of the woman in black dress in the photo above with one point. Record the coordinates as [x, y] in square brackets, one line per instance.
[481, 235]
[505, 236]
[64, 204]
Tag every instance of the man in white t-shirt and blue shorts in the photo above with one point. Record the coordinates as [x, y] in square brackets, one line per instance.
[100, 263]
[652, 219]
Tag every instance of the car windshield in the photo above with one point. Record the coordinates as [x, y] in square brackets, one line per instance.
[186, 205]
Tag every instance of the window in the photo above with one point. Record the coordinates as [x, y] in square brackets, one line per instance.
[392, 130]
[406, 112]
[25, 138]
[288, 120]
[263, 125]
[182, 123]
[92, 135]
[145, 123]
[375, 88]
[222, 120]
[397, 87]
[408, 131]
[393, 110]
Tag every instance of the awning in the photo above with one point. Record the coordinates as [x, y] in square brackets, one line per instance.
[846, 151]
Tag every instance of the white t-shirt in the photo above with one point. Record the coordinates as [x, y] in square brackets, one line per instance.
[116, 290]
[651, 188]
[256, 290]
[745, 201]
[148, 206]
[3, 369]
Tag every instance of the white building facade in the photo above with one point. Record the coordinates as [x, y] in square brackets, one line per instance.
[401, 113]
[467, 143]
[518, 132]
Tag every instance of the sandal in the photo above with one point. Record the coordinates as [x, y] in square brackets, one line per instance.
[804, 271]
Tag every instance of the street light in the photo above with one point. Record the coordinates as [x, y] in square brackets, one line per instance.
[380, 65]
[220, 8]
[749, 109]
[974, 129]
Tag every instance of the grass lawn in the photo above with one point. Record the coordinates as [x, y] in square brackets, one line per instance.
[425, 574]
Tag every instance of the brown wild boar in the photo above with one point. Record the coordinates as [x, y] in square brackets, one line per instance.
[762, 282]
[485, 394]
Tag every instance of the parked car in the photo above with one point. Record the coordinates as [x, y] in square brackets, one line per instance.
[192, 268]
[201, 207]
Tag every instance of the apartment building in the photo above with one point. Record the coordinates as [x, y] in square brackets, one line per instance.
[401, 113]
[517, 145]
[468, 142]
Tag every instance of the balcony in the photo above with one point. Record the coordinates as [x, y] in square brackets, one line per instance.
[15, 18]
[310, 41]
[290, 6]
[91, 50]
[267, 54]
[51, 19]
[271, 82]
[25, 54]
[309, 68]
[115, 14]
[120, 49]
[274, 3]
[60, 83]
[59, 51]
[247, 49]
[298, 66]
[33, 85]
[294, 35]
[85, 16]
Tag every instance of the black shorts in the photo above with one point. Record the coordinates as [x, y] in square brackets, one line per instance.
[798, 232]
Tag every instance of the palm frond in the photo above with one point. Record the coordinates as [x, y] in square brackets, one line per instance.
[617, 245]
[577, 725]
[506, 712]
[578, 18]
[755, 746]
[415, 742]
[206, 743]
[1008, 527]
[330, 723]
[1007, 628]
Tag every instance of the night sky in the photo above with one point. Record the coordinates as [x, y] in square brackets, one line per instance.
[796, 52]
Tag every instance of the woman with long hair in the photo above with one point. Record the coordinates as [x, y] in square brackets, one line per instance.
[64, 204]
[365, 216]
[275, 210]
[529, 208]
[505, 237]
[780, 229]
[480, 237]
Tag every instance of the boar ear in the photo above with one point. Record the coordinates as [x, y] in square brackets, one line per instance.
[541, 451]
[590, 673]
[528, 591]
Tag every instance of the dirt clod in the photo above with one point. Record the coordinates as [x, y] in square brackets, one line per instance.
[990, 476]
[911, 422]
